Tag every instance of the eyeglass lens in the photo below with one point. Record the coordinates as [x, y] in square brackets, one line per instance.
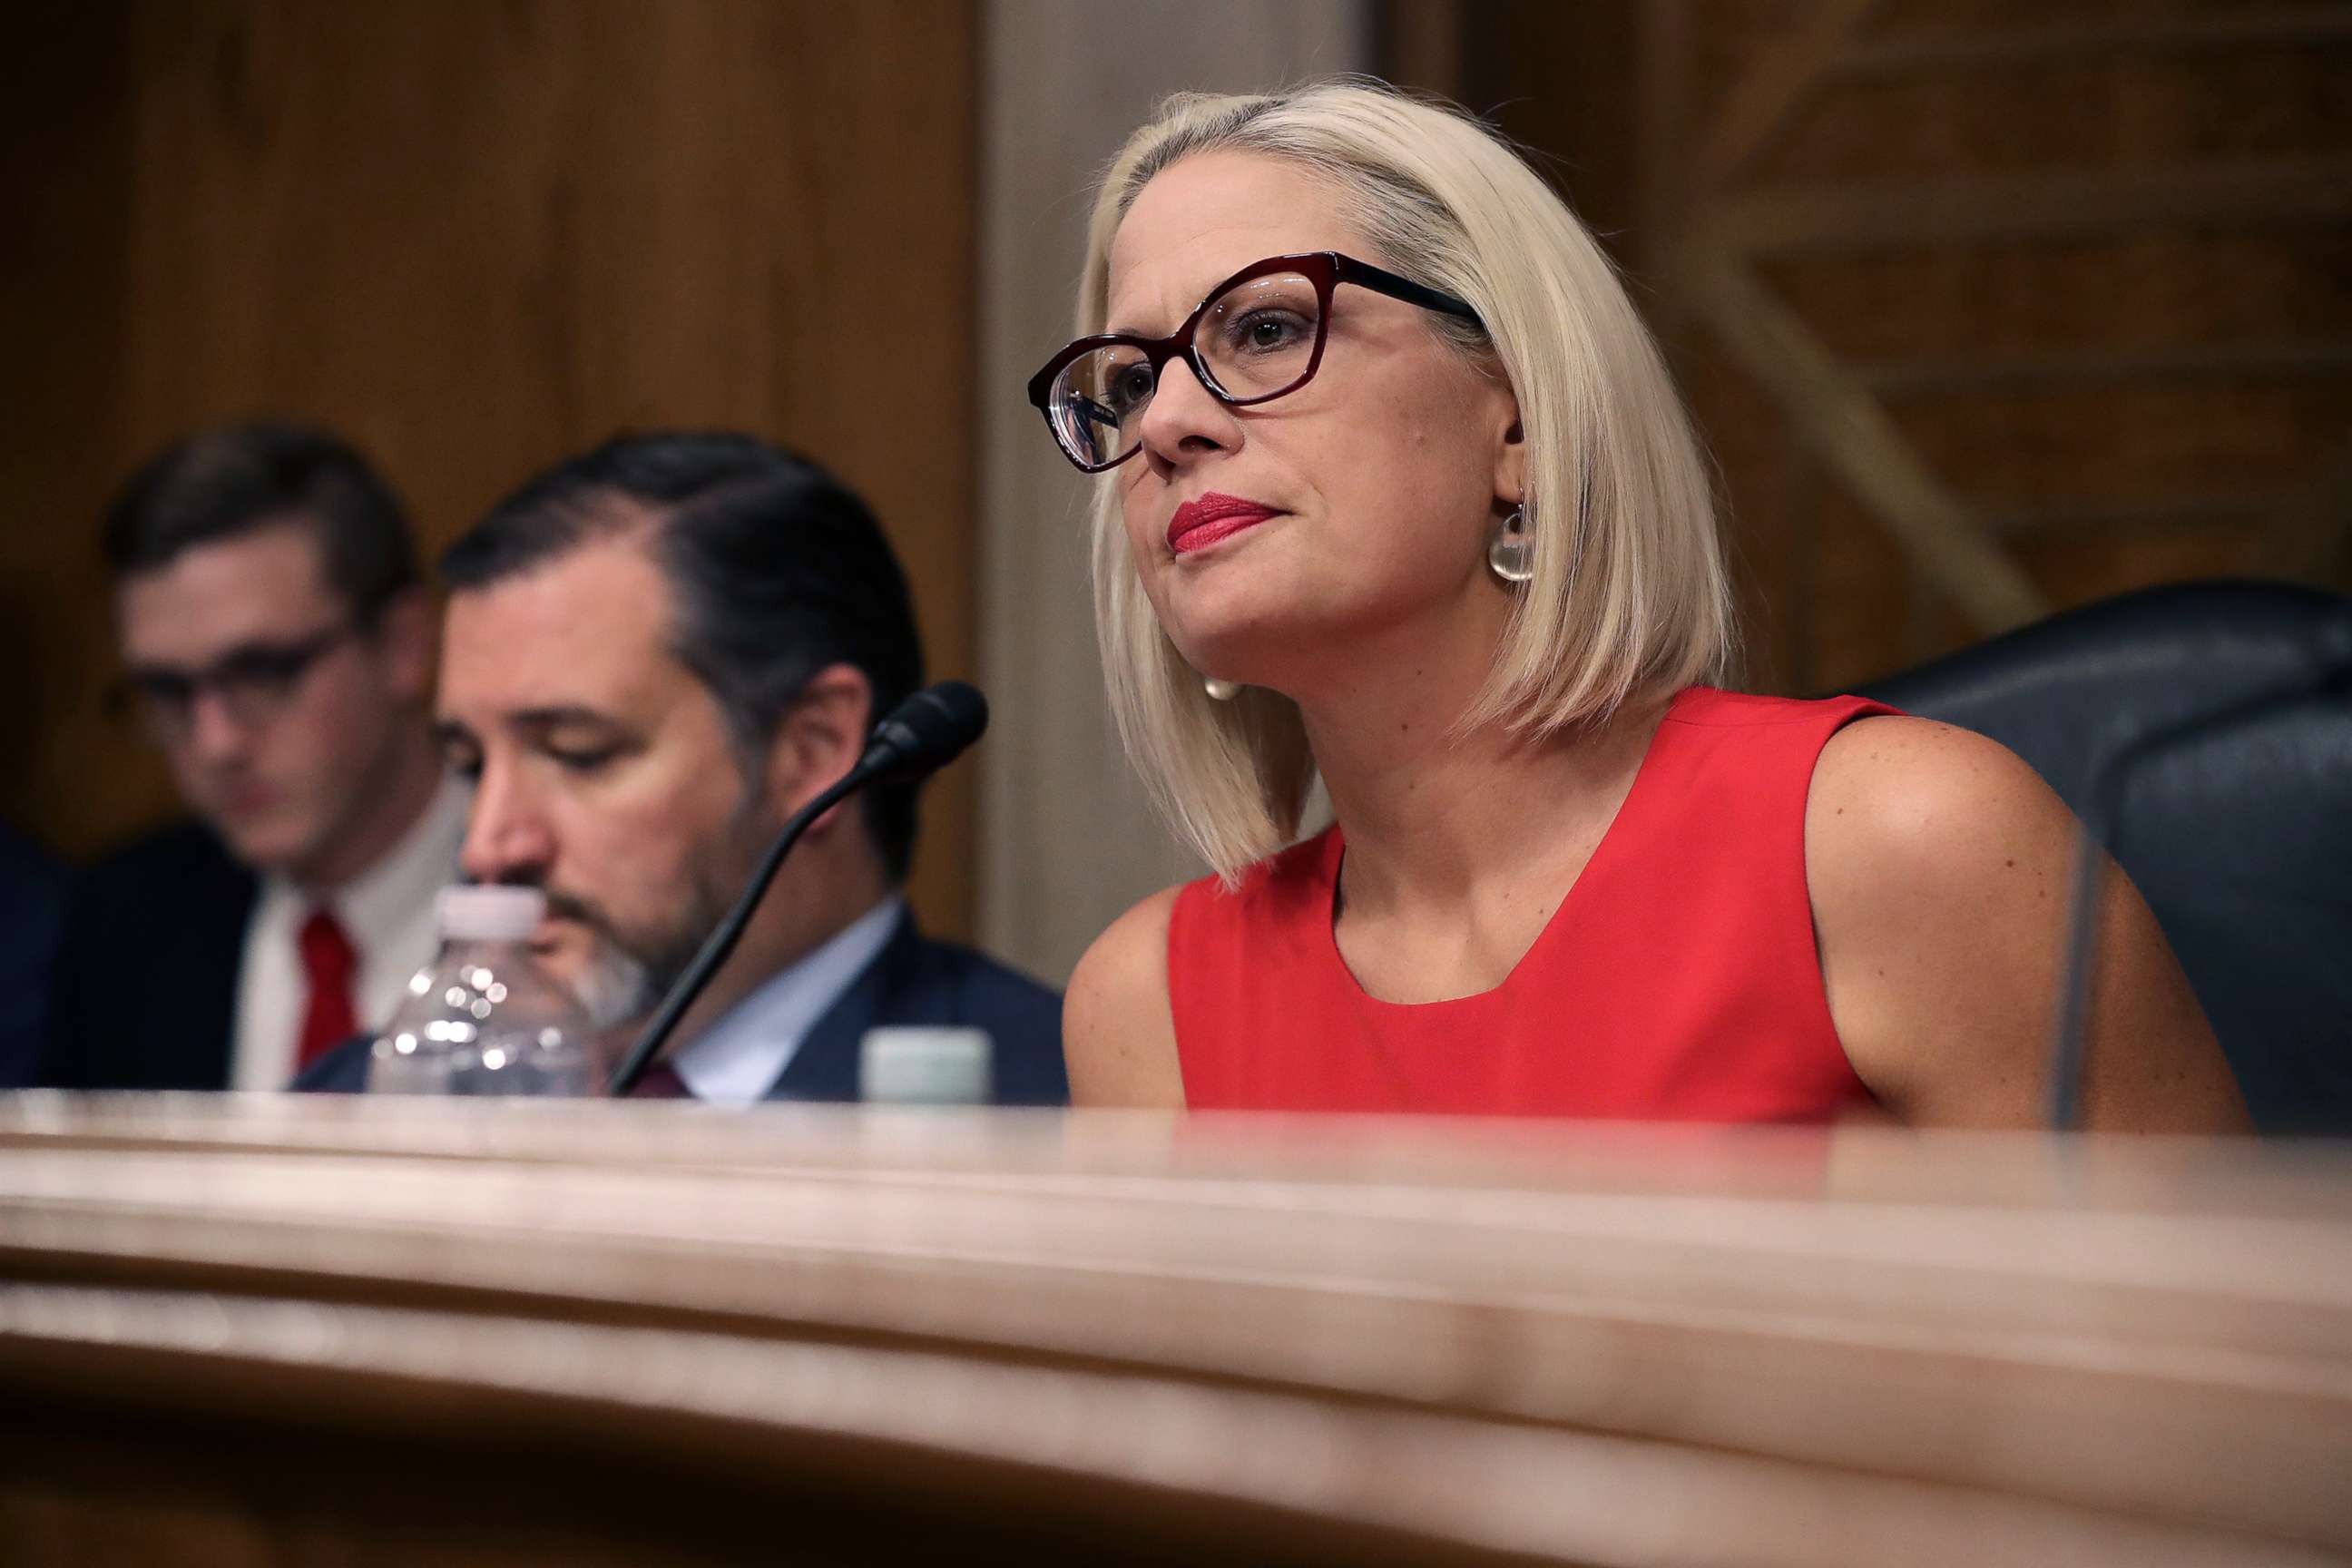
[254, 684]
[1255, 340]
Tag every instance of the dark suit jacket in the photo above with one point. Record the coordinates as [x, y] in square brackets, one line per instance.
[913, 981]
[32, 913]
[147, 970]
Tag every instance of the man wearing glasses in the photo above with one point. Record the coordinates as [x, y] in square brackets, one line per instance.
[276, 647]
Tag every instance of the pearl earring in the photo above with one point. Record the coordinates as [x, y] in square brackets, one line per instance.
[1511, 553]
[1220, 690]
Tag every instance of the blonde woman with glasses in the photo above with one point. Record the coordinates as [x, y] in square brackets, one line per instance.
[1396, 492]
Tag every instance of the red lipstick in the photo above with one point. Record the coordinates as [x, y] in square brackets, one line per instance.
[1200, 523]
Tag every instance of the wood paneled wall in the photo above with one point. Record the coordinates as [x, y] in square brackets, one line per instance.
[1986, 306]
[475, 238]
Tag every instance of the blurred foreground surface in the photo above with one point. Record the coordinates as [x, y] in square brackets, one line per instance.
[286, 1330]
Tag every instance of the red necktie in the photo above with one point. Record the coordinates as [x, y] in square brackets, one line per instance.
[329, 963]
[660, 1081]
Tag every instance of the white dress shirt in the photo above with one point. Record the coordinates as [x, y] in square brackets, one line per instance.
[386, 910]
[738, 1059]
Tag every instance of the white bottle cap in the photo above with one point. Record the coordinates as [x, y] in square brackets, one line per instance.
[924, 1067]
[469, 914]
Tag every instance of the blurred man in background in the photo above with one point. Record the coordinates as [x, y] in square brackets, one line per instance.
[655, 654]
[278, 646]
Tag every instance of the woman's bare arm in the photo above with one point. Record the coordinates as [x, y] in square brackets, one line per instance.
[1939, 866]
[1117, 1034]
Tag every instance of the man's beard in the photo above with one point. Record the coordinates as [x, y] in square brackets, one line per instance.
[627, 974]
[616, 986]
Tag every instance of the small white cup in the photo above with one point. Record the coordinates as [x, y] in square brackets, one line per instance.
[902, 1065]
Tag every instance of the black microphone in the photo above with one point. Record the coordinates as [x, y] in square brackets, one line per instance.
[921, 735]
[2101, 831]
[925, 733]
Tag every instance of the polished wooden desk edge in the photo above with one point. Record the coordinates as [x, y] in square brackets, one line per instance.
[2089, 1321]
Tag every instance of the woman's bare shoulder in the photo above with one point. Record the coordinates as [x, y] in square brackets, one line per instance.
[1939, 867]
[1119, 1035]
[1929, 795]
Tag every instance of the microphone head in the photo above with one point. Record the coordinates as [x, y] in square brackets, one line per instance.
[926, 732]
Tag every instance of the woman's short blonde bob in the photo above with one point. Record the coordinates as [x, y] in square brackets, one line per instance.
[1629, 595]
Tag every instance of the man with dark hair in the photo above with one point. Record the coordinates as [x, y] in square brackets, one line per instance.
[278, 646]
[654, 654]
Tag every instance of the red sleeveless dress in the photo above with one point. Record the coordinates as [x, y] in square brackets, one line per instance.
[1678, 981]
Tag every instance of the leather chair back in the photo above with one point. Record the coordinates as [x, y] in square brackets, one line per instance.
[2236, 825]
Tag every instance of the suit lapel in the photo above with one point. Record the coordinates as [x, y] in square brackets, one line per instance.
[215, 971]
[826, 1067]
[187, 1032]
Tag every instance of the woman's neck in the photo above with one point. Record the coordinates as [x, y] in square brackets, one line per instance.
[1433, 815]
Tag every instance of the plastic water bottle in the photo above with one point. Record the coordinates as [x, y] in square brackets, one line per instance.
[484, 1017]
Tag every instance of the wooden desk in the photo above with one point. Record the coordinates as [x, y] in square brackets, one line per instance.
[283, 1331]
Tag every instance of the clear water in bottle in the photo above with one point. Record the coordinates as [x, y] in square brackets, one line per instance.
[484, 1017]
